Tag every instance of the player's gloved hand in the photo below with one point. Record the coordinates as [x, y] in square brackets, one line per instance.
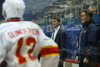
[76, 59]
[86, 60]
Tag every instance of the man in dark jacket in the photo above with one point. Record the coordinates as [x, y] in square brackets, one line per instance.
[87, 41]
[59, 36]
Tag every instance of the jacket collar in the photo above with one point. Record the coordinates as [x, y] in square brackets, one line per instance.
[88, 23]
[57, 28]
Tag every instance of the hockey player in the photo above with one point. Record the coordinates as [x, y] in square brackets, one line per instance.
[22, 41]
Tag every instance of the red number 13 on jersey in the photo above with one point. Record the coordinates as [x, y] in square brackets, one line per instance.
[29, 41]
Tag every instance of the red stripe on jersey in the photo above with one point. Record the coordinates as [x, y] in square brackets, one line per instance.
[17, 20]
[49, 51]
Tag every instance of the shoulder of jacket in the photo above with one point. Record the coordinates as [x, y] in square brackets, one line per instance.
[92, 25]
[62, 30]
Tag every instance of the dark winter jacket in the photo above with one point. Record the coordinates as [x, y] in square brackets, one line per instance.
[88, 38]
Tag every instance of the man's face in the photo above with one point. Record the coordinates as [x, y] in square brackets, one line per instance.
[55, 23]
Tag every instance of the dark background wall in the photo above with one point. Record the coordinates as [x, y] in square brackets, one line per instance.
[1, 17]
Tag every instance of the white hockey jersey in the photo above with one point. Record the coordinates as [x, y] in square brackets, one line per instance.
[21, 42]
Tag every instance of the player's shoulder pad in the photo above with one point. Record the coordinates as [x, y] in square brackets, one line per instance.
[32, 23]
[5, 25]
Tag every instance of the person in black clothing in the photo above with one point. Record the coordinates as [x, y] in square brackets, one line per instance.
[98, 44]
[59, 36]
[87, 40]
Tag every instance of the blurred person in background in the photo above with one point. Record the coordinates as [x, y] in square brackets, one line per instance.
[59, 36]
[87, 40]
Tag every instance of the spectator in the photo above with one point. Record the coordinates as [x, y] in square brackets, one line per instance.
[88, 38]
[59, 36]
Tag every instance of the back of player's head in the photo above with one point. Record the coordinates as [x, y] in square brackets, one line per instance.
[13, 9]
